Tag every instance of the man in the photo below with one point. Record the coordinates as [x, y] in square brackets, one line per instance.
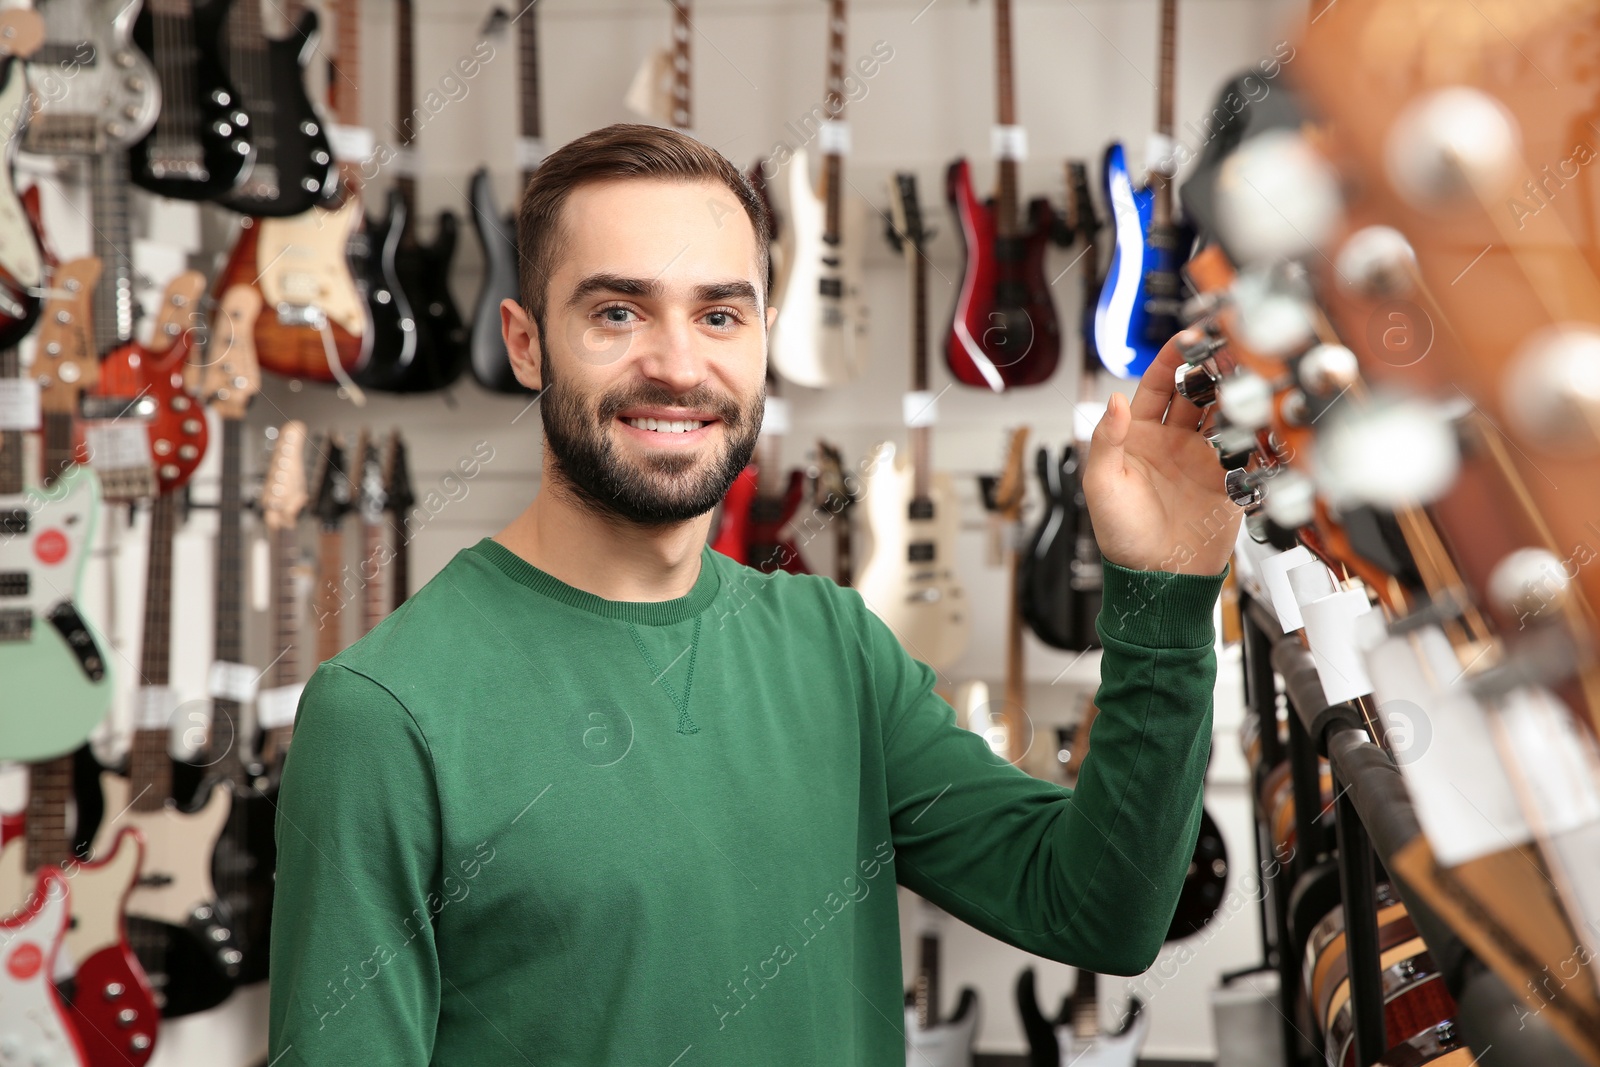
[597, 795]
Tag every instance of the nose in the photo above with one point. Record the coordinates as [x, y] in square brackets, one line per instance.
[669, 354]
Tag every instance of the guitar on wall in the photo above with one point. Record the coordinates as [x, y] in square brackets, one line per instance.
[497, 233]
[398, 500]
[933, 1039]
[661, 89]
[317, 322]
[21, 257]
[283, 498]
[1004, 331]
[754, 526]
[331, 502]
[370, 506]
[908, 577]
[1139, 303]
[202, 143]
[34, 1026]
[112, 96]
[440, 351]
[836, 494]
[294, 168]
[819, 338]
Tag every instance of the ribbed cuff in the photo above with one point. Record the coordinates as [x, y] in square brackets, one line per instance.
[1158, 609]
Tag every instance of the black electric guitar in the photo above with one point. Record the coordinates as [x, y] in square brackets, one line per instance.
[294, 168]
[398, 500]
[202, 144]
[1060, 578]
[441, 352]
[332, 500]
[496, 232]
[1082, 223]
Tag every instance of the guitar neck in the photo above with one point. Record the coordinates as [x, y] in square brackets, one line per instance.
[921, 436]
[286, 608]
[528, 79]
[149, 767]
[372, 604]
[1169, 51]
[926, 987]
[833, 105]
[113, 297]
[1016, 689]
[344, 77]
[330, 556]
[57, 450]
[49, 790]
[682, 111]
[228, 586]
[10, 440]
[1086, 1006]
[1006, 222]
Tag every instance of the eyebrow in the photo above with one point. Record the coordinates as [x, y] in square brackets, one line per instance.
[650, 288]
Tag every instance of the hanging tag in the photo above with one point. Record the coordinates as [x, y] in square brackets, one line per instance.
[19, 404]
[775, 421]
[1009, 142]
[351, 144]
[117, 445]
[153, 706]
[276, 707]
[233, 681]
[833, 137]
[530, 152]
[1160, 154]
[919, 408]
[260, 574]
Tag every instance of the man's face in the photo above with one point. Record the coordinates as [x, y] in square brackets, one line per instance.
[654, 348]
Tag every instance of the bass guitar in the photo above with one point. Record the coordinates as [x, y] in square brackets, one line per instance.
[294, 169]
[819, 337]
[202, 143]
[97, 92]
[440, 352]
[497, 232]
[1004, 331]
[1138, 306]
[908, 577]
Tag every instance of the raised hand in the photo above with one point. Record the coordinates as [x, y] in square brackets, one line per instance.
[1154, 486]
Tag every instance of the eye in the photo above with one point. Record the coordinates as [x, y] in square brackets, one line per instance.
[615, 314]
[723, 318]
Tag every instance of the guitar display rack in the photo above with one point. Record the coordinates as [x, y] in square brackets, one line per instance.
[1372, 819]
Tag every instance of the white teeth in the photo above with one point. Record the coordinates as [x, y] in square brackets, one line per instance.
[666, 425]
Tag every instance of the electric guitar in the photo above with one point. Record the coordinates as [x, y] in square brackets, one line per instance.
[202, 143]
[398, 500]
[34, 1027]
[1003, 497]
[283, 497]
[1004, 331]
[370, 505]
[1083, 224]
[754, 527]
[819, 337]
[21, 258]
[441, 351]
[111, 1006]
[1139, 303]
[96, 91]
[908, 576]
[836, 493]
[660, 90]
[497, 232]
[294, 169]
[1061, 578]
[331, 502]
[932, 1039]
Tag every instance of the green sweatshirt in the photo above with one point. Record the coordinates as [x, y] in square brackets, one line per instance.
[521, 824]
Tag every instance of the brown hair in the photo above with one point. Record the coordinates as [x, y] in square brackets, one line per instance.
[623, 150]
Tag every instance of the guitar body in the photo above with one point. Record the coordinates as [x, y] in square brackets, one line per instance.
[57, 683]
[400, 346]
[294, 169]
[242, 868]
[733, 524]
[177, 427]
[183, 938]
[753, 528]
[34, 1028]
[1107, 1050]
[201, 144]
[1061, 579]
[97, 90]
[1145, 260]
[945, 1044]
[819, 338]
[424, 273]
[1004, 331]
[497, 234]
[21, 262]
[920, 599]
[1056, 1042]
[107, 978]
[300, 265]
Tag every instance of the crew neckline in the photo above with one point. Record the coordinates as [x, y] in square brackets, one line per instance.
[641, 612]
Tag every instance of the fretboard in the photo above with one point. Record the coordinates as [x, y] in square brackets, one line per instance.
[149, 766]
[49, 790]
[344, 77]
[1085, 1007]
[372, 604]
[921, 443]
[330, 620]
[10, 440]
[1162, 212]
[113, 297]
[1006, 222]
[927, 982]
[682, 111]
[228, 585]
[528, 71]
[833, 104]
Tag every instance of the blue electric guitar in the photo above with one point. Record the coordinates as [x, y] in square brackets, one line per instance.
[1140, 299]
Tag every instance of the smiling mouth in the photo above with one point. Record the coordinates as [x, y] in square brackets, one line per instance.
[667, 425]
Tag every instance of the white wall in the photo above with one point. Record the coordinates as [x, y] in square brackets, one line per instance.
[1086, 74]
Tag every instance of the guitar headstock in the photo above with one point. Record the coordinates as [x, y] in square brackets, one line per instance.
[397, 494]
[1081, 217]
[283, 493]
[833, 490]
[65, 361]
[370, 501]
[331, 499]
[180, 311]
[907, 232]
[1012, 485]
[232, 375]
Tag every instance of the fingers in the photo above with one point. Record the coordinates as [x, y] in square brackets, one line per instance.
[1105, 446]
[1184, 414]
[1156, 387]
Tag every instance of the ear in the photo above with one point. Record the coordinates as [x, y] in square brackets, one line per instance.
[522, 343]
[772, 315]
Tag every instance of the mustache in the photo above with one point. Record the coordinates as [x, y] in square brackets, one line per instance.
[724, 407]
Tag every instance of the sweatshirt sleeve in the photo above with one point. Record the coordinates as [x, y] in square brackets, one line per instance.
[1087, 876]
[355, 973]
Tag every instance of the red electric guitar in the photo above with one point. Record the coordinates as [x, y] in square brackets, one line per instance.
[760, 505]
[1004, 331]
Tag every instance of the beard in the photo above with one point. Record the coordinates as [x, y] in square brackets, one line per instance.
[657, 490]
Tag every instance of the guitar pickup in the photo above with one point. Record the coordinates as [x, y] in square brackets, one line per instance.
[16, 624]
[117, 407]
[14, 521]
[15, 583]
[302, 315]
[920, 552]
[833, 287]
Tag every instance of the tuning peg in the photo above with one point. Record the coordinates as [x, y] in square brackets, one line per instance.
[1452, 146]
[1246, 400]
[1197, 383]
[1390, 453]
[1377, 262]
[1290, 499]
[1277, 198]
[1553, 388]
[1528, 581]
[1273, 314]
[1244, 488]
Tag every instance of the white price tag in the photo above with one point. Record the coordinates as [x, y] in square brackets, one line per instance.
[19, 404]
[530, 152]
[1009, 142]
[1160, 153]
[405, 162]
[351, 144]
[233, 681]
[276, 707]
[776, 418]
[833, 137]
[117, 445]
[153, 706]
[920, 408]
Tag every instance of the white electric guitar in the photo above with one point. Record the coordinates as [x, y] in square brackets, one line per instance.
[908, 575]
[1074, 1037]
[931, 1039]
[819, 338]
[34, 1028]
